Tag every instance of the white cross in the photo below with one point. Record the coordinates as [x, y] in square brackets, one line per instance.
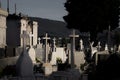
[46, 54]
[24, 37]
[99, 46]
[73, 36]
[31, 36]
[39, 40]
[54, 39]
[81, 44]
[106, 47]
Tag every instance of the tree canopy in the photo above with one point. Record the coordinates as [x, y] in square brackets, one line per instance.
[92, 15]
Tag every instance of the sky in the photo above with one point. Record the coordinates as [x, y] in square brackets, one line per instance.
[50, 9]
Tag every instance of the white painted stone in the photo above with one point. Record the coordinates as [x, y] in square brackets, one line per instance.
[79, 59]
[32, 54]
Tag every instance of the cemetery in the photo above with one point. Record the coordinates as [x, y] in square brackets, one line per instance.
[26, 56]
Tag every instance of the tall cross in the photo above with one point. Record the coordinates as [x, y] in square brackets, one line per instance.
[73, 36]
[24, 37]
[31, 36]
[46, 54]
[39, 40]
[54, 44]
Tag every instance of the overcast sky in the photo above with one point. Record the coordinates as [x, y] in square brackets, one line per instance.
[51, 9]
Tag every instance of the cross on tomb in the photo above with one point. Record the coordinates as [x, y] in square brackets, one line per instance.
[73, 36]
[31, 36]
[54, 39]
[24, 37]
[39, 39]
[46, 54]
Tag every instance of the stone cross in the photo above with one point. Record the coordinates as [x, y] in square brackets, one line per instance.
[31, 36]
[73, 47]
[39, 40]
[54, 44]
[46, 54]
[24, 37]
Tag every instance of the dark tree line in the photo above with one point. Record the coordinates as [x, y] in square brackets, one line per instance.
[92, 15]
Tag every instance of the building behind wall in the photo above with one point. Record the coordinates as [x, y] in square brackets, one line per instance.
[16, 25]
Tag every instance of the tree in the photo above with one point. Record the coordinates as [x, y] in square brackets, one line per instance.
[92, 15]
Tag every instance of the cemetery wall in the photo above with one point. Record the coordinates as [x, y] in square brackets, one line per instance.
[7, 61]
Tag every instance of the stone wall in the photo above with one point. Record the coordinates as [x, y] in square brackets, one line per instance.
[7, 61]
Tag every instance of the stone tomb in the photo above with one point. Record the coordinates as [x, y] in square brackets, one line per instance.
[79, 59]
[59, 54]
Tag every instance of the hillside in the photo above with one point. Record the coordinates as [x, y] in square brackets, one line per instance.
[52, 27]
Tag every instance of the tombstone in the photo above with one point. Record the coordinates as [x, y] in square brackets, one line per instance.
[24, 65]
[73, 47]
[59, 54]
[39, 51]
[101, 55]
[79, 59]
